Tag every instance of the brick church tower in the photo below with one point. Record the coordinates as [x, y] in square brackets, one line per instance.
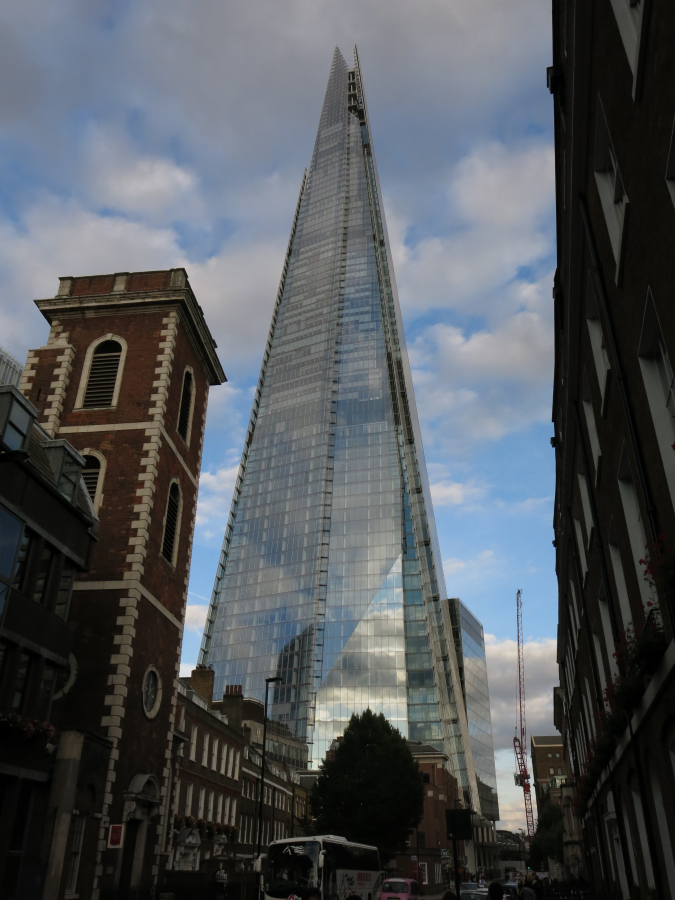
[124, 377]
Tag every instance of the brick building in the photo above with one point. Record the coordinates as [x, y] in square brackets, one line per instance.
[206, 787]
[613, 81]
[124, 376]
[549, 769]
[429, 842]
[48, 529]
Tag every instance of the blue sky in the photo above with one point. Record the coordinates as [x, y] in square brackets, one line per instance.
[139, 136]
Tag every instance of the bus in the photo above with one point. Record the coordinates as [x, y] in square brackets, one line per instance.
[321, 867]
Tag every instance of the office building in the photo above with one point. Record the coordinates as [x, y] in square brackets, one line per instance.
[613, 83]
[472, 665]
[10, 368]
[549, 769]
[330, 575]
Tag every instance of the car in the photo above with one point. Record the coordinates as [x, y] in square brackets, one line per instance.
[400, 889]
[511, 889]
[474, 894]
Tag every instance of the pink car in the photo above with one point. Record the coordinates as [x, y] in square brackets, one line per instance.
[400, 889]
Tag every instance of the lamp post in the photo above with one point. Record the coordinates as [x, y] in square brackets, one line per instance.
[268, 681]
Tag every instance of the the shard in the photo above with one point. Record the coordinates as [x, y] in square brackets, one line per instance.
[330, 572]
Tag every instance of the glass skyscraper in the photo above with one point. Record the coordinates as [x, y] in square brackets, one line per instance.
[330, 573]
[472, 664]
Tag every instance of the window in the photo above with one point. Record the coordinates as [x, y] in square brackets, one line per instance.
[589, 415]
[605, 618]
[226, 813]
[423, 873]
[21, 681]
[10, 532]
[181, 720]
[21, 564]
[219, 809]
[171, 523]
[628, 14]
[188, 798]
[559, 771]
[619, 577]
[642, 832]
[152, 692]
[205, 750]
[91, 474]
[176, 796]
[580, 546]
[610, 186]
[230, 763]
[102, 380]
[193, 743]
[659, 382]
[185, 412]
[64, 589]
[209, 808]
[600, 357]
[214, 754]
[670, 166]
[200, 806]
[557, 756]
[550, 755]
[551, 771]
[233, 812]
[77, 827]
[236, 766]
[44, 567]
[223, 759]
[636, 534]
[663, 829]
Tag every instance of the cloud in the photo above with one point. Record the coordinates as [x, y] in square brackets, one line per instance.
[195, 616]
[454, 493]
[186, 669]
[215, 494]
[541, 675]
[482, 562]
[500, 199]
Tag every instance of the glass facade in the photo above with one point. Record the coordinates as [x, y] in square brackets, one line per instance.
[328, 574]
[470, 651]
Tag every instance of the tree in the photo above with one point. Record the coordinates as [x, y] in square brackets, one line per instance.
[371, 791]
[548, 838]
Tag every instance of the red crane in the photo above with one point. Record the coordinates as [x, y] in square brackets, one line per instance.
[522, 776]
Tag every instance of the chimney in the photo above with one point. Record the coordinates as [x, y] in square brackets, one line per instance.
[201, 681]
[233, 705]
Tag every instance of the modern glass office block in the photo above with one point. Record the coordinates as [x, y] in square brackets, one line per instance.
[330, 571]
[470, 651]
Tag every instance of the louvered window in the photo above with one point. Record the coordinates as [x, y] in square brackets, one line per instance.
[171, 522]
[185, 404]
[102, 375]
[90, 474]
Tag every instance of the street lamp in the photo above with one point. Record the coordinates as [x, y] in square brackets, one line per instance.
[268, 681]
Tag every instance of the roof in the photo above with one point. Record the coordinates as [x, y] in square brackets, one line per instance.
[546, 741]
[126, 290]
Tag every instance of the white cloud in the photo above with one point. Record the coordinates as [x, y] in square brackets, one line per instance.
[454, 493]
[186, 669]
[541, 675]
[124, 179]
[481, 562]
[501, 200]
[195, 616]
[215, 494]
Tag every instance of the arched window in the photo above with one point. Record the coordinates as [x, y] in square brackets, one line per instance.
[91, 474]
[102, 375]
[171, 523]
[185, 411]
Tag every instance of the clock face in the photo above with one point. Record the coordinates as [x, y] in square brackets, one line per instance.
[150, 690]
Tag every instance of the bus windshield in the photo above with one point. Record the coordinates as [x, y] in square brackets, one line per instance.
[292, 869]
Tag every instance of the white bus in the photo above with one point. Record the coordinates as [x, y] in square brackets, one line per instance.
[322, 867]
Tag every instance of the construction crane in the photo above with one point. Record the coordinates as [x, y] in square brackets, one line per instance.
[522, 776]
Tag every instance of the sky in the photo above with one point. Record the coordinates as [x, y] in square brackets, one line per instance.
[175, 133]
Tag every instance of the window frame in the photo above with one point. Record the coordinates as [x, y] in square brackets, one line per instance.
[193, 393]
[179, 516]
[97, 502]
[629, 15]
[614, 207]
[86, 369]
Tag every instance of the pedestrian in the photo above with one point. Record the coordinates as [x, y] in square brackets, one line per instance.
[221, 883]
[495, 891]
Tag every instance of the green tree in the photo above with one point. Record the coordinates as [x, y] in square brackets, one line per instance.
[548, 838]
[372, 791]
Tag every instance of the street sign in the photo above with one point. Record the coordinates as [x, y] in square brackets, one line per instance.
[116, 837]
[413, 858]
[458, 824]
[445, 853]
